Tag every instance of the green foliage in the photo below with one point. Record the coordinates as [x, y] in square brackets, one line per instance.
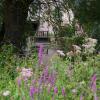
[87, 10]
[67, 31]
[93, 30]
[95, 33]
[88, 14]
[9, 61]
[67, 42]
[75, 78]
[7, 64]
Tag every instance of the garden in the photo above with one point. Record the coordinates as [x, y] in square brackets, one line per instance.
[64, 64]
[74, 75]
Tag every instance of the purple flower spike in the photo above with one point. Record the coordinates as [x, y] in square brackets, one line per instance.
[40, 53]
[55, 90]
[93, 83]
[81, 97]
[95, 96]
[63, 92]
[32, 91]
[46, 71]
[93, 77]
[33, 81]
[48, 89]
[93, 86]
[19, 82]
[51, 79]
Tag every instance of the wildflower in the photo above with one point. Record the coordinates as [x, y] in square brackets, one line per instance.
[26, 72]
[69, 54]
[77, 52]
[90, 44]
[40, 53]
[45, 75]
[6, 93]
[51, 79]
[92, 41]
[55, 90]
[33, 81]
[93, 86]
[63, 91]
[46, 72]
[36, 90]
[86, 46]
[76, 47]
[61, 53]
[40, 80]
[19, 81]
[74, 90]
[32, 91]
[81, 97]
[93, 83]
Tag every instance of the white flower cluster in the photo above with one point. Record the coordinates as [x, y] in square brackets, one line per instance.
[76, 51]
[60, 53]
[6, 93]
[70, 53]
[89, 46]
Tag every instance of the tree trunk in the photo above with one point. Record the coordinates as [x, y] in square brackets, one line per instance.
[2, 31]
[15, 14]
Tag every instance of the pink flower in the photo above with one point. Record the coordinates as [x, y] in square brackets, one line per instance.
[93, 86]
[19, 81]
[26, 72]
[63, 92]
[33, 81]
[55, 90]
[40, 54]
[93, 83]
[81, 97]
[46, 72]
[45, 75]
[32, 91]
[51, 79]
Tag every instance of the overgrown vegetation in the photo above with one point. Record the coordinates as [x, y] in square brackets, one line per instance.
[72, 73]
[24, 78]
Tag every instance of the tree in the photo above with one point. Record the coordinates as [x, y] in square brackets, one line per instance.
[86, 10]
[88, 14]
[15, 12]
[14, 17]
